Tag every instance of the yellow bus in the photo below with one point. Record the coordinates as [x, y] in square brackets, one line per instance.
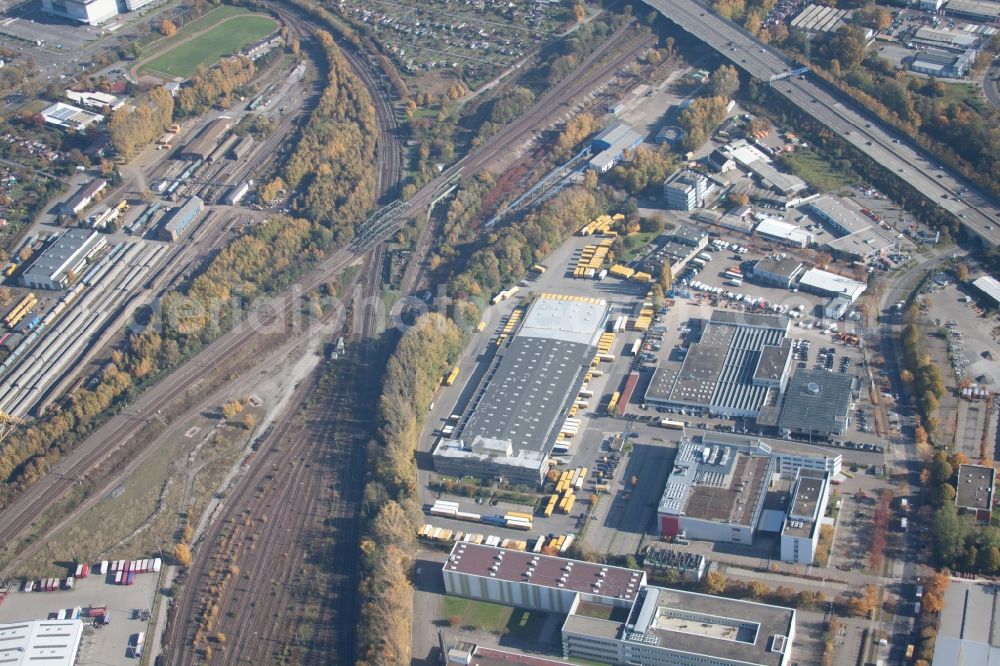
[613, 404]
[452, 376]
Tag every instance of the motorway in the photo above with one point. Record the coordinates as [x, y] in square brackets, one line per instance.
[871, 136]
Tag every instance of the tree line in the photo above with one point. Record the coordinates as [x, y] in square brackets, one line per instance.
[921, 376]
[333, 164]
[390, 511]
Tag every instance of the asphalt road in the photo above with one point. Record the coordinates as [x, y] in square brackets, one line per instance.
[991, 83]
[884, 143]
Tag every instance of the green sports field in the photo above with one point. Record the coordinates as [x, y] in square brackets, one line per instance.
[184, 57]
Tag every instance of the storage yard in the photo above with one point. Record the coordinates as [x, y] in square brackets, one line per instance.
[116, 616]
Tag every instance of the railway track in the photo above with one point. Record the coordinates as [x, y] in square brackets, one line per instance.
[251, 333]
[546, 111]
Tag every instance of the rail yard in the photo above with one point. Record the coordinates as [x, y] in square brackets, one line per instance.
[643, 401]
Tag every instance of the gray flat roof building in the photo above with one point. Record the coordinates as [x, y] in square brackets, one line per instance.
[512, 420]
[63, 260]
[864, 244]
[719, 374]
[818, 403]
[974, 493]
[982, 10]
[778, 270]
[968, 635]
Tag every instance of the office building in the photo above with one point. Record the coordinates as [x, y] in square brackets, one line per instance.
[612, 616]
[95, 100]
[687, 190]
[62, 262]
[91, 12]
[806, 508]
[511, 422]
[667, 627]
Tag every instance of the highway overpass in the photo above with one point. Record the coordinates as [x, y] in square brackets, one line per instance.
[891, 148]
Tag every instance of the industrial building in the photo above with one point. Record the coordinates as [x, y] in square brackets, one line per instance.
[977, 10]
[690, 236]
[674, 252]
[726, 488]
[53, 642]
[974, 494]
[236, 194]
[736, 363]
[836, 216]
[609, 145]
[513, 418]
[752, 159]
[777, 270]
[868, 243]
[205, 143]
[689, 567]
[79, 201]
[817, 404]
[989, 287]
[91, 12]
[70, 117]
[824, 283]
[782, 232]
[687, 190]
[806, 508]
[64, 260]
[133, 5]
[95, 100]
[820, 18]
[715, 493]
[943, 65]
[967, 634]
[177, 220]
[947, 39]
[614, 617]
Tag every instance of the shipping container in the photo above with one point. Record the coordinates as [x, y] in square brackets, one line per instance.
[444, 511]
[118, 577]
[157, 564]
[104, 567]
[97, 611]
[68, 583]
[131, 578]
[61, 615]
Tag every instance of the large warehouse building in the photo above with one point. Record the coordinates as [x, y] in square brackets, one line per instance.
[738, 360]
[207, 140]
[179, 219]
[614, 617]
[510, 424]
[64, 260]
[52, 642]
